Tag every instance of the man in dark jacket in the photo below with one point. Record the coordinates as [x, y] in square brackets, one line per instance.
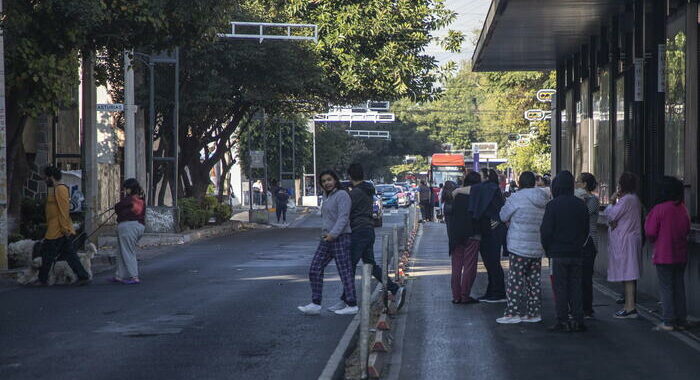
[362, 238]
[425, 197]
[563, 233]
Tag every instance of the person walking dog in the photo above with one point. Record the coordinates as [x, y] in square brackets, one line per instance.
[58, 240]
[335, 244]
[131, 215]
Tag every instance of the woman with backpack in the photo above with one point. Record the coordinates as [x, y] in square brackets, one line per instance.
[131, 215]
[667, 227]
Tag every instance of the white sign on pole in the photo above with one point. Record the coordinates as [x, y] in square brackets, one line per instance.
[116, 107]
[662, 69]
[486, 149]
[257, 159]
[638, 79]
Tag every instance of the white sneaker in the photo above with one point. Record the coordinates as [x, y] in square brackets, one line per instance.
[339, 306]
[509, 320]
[348, 310]
[310, 309]
[532, 319]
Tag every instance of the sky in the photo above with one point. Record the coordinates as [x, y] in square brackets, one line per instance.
[470, 17]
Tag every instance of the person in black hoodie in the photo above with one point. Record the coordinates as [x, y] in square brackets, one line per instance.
[362, 237]
[485, 204]
[464, 235]
[563, 232]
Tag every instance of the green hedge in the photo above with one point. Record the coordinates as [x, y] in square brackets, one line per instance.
[195, 213]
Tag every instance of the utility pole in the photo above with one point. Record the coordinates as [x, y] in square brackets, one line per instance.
[129, 122]
[3, 157]
[88, 146]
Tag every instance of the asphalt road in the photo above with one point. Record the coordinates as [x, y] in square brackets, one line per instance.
[223, 308]
[446, 341]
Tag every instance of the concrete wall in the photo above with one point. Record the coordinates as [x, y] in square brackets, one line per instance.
[648, 283]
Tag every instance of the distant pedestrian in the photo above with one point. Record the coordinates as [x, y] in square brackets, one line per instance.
[563, 233]
[281, 197]
[585, 186]
[446, 200]
[524, 211]
[625, 242]
[335, 244]
[131, 216]
[485, 203]
[667, 227]
[58, 239]
[363, 237]
[425, 196]
[464, 233]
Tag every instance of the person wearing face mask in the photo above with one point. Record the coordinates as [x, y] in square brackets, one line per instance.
[131, 214]
[335, 244]
[58, 240]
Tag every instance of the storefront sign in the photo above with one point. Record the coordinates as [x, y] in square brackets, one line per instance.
[638, 79]
[662, 69]
[534, 115]
[545, 95]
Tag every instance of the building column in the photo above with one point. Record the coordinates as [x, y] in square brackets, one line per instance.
[89, 140]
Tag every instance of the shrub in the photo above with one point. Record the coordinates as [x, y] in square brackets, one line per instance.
[32, 224]
[222, 213]
[13, 238]
[192, 213]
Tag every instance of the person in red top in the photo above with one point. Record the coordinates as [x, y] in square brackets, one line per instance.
[131, 213]
[667, 227]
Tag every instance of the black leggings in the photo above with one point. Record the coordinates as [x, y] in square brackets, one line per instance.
[281, 211]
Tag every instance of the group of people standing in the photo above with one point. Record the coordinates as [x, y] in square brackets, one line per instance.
[561, 223]
[348, 236]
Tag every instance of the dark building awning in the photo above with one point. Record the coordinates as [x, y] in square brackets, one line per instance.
[531, 34]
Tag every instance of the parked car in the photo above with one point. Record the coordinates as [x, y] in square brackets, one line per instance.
[377, 206]
[389, 194]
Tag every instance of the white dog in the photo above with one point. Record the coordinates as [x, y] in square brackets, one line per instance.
[60, 274]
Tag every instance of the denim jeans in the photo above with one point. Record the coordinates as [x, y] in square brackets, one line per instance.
[362, 247]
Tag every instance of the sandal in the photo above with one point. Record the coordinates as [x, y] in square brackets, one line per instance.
[131, 281]
[115, 280]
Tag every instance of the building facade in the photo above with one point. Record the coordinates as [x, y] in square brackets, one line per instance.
[627, 95]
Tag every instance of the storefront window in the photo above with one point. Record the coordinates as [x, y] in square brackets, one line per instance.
[619, 165]
[601, 140]
[674, 132]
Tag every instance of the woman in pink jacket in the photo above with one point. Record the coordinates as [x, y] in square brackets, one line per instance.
[667, 227]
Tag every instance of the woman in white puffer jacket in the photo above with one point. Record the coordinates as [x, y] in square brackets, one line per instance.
[524, 211]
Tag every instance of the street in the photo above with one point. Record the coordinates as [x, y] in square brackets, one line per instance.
[223, 308]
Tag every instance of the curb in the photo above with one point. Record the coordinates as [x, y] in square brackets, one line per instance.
[335, 367]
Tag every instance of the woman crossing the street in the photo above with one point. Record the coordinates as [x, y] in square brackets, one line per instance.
[131, 213]
[334, 245]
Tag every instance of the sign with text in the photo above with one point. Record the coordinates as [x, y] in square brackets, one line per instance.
[534, 115]
[115, 107]
[638, 79]
[546, 95]
[486, 150]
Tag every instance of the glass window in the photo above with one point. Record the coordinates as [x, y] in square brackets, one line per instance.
[601, 139]
[674, 130]
[619, 165]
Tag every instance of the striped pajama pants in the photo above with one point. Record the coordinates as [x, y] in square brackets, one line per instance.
[338, 249]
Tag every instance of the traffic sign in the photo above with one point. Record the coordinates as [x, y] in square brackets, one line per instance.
[114, 107]
[534, 115]
[545, 95]
[257, 159]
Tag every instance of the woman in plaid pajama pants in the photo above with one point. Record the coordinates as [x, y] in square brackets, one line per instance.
[335, 244]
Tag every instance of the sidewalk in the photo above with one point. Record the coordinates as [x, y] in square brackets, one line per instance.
[446, 341]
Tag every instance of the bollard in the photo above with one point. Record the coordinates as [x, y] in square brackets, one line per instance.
[365, 310]
[385, 269]
[395, 253]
